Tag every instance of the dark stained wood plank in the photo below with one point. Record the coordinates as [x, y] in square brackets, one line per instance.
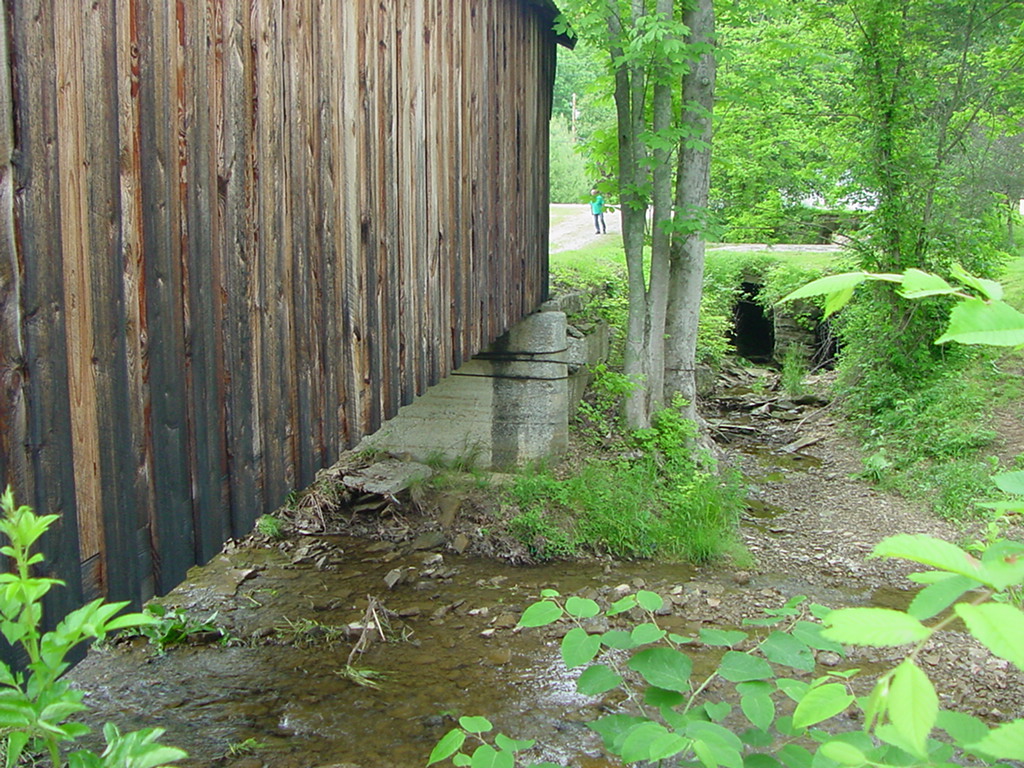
[14, 469]
[160, 108]
[138, 559]
[236, 185]
[201, 245]
[106, 349]
[37, 227]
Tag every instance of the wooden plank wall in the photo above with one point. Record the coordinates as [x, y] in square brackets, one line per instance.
[237, 235]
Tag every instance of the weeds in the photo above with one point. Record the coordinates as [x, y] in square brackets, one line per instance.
[309, 633]
[173, 626]
[650, 497]
[271, 527]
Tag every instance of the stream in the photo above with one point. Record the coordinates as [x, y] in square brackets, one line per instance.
[276, 695]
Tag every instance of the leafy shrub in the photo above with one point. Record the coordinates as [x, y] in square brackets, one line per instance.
[36, 706]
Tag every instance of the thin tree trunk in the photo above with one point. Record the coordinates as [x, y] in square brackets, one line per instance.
[629, 99]
[658, 285]
[692, 181]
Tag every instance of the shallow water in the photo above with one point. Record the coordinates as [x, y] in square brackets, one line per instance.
[453, 652]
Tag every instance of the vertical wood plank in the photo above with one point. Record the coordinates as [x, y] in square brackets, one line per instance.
[136, 557]
[38, 232]
[240, 270]
[14, 469]
[75, 236]
[106, 349]
[160, 112]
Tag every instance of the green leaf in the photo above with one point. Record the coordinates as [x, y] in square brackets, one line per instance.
[622, 605]
[549, 593]
[739, 667]
[659, 697]
[579, 647]
[722, 637]
[961, 727]
[475, 724]
[724, 746]
[810, 632]
[878, 627]
[666, 746]
[836, 301]
[937, 597]
[795, 756]
[990, 289]
[1003, 743]
[823, 286]
[755, 737]
[717, 710]
[821, 703]
[643, 634]
[1010, 482]
[637, 745]
[782, 648]
[598, 679]
[486, 756]
[999, 626]
[758, 760]
[664, 667]
[512, 745]
[843, 753]
[462, 761]
[649, 601]
[975, 321]
[581, 608]
[540, 614]
[795, 689]
[917, 284]
[613, 728]
[618, 639]
[759, 710]
[928, 550]
[1002, 564]
[913, 706]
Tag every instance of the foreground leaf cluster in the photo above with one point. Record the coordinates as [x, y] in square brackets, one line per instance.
[37, 705]
[765, 712]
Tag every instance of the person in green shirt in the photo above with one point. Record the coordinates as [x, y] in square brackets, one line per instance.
[597, 208]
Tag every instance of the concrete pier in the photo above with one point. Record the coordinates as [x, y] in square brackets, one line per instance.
[507, 406]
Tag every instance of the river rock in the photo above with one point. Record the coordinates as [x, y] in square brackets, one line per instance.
[427, 541]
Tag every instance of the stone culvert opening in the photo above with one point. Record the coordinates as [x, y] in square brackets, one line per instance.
[762, 336]
[753, 332]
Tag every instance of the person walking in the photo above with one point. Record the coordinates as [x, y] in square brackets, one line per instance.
[597, 208]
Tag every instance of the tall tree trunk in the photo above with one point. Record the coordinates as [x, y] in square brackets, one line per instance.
[661, 197]
[629, 106]
[691, 201]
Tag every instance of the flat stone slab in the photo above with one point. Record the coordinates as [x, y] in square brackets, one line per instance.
[387, 478]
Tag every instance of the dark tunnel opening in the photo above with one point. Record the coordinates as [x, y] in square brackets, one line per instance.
[753, 332]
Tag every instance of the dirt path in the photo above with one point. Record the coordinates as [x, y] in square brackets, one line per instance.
[811, 524]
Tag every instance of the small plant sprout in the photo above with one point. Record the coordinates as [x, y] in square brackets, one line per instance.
[270, 526]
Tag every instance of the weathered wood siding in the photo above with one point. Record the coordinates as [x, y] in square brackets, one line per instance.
[235, 236]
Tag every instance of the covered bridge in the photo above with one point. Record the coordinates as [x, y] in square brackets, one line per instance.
[237, 235]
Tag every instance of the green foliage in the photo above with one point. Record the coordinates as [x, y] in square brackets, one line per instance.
[569, 179]
[653, 498]
[36, 705]
[794, 369]
[173, 626]
[270, 526]
[920, 409]
[674, 714]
